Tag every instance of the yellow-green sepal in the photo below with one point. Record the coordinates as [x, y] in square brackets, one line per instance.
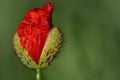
[51, 48]
[23, 54]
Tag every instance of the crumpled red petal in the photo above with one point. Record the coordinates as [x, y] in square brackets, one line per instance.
[34, 29]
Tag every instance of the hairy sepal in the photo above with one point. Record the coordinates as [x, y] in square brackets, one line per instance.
[23, 53]
[51, 47]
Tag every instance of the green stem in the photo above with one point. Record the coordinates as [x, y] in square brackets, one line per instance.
[38, 74]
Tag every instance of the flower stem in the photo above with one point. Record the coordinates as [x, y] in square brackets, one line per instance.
[38, 74]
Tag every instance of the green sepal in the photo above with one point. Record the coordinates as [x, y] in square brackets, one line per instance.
[23, 54]
[51, 48]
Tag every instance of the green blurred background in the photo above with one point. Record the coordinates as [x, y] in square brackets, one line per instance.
[91, 49]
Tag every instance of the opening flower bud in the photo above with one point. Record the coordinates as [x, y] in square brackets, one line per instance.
[36, 40]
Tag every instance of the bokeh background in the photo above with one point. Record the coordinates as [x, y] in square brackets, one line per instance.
[91, 49]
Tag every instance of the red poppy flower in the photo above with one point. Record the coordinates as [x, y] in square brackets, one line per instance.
[36, 40]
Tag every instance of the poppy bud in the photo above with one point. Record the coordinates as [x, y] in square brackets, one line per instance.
[36, 41]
